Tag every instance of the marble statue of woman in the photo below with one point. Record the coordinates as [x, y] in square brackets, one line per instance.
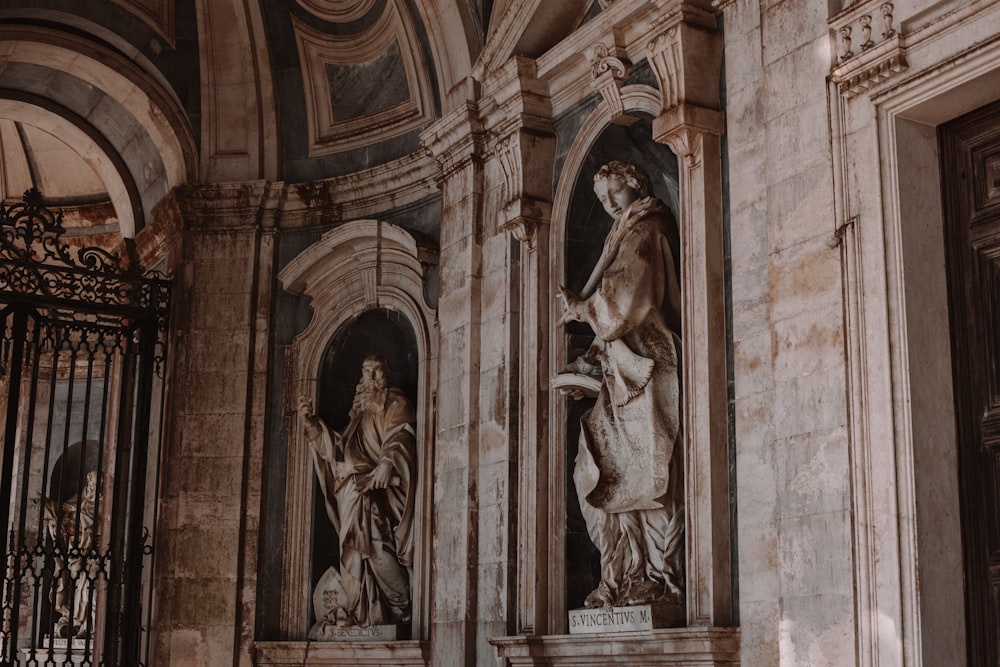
[628, 472]
[366, 474]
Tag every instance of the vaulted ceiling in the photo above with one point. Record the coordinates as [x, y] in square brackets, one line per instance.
[106, 105]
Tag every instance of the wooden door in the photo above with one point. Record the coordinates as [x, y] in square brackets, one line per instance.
[970, 166]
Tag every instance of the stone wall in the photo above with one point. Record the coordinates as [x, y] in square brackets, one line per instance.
[792, 486]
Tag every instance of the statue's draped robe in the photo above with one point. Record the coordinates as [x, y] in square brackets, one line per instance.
[628, 474]
[375, 528]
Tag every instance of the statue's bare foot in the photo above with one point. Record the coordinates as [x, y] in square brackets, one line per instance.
[599, 597]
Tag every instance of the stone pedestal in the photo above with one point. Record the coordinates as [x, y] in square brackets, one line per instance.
[678, 646]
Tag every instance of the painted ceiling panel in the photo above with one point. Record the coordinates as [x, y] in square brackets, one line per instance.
[367, 88]
[363, 87]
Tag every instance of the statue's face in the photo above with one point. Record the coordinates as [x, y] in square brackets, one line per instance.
[373, 370]
[615, 194]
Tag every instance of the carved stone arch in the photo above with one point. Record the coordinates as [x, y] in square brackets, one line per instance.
[641, 98]
[451, 36]
[357, 267]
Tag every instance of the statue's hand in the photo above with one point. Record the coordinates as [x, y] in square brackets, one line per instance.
[571, 305]
[309, 420]
[573, 392]
[381, 475]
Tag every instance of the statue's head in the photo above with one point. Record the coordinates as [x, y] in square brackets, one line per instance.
[375, 367]
[618, 184]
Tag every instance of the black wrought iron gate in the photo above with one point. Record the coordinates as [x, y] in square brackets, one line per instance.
[82, 346]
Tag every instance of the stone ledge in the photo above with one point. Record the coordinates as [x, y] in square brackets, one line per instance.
[675, 646]
[341, 654]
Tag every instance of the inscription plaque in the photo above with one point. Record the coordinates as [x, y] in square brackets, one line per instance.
[356, 633]
[615, 619]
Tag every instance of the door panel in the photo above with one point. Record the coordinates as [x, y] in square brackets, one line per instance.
[970, 155]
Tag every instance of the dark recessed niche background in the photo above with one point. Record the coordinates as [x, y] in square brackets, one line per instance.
[586, 228]
[377, 331]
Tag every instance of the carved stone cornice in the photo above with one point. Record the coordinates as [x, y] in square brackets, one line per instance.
[609, 68]
[361, 194]
[456, 138]
[517, 109]
[241, 205]
[514, 96]
[687, 58]
[868, 49]
[691, 12]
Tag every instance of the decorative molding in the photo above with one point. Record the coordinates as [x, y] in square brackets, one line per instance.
[342, 654]
[678, 646]
[861, 61]
[456, 138]
[610, 67]
[517, 108]
[317, 50]
[337, 11]
[157, 14]
[362, 194]
[227, 206]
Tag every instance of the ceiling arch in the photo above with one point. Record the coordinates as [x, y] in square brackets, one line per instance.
[118, 185]
[104, 108]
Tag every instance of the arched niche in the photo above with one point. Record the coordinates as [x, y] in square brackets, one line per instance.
[364, 279]
[585, 227]
[374, 331]
[577, 236]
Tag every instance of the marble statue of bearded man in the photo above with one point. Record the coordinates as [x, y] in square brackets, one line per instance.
[367, 477]
[628, 472]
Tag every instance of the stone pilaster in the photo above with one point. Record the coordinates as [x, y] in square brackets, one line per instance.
[456, 142]
[517, 109]
[207, 537]
[686, 56]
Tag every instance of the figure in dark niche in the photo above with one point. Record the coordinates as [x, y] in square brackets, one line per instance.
[366, 474]
[70, 525]
[628, 472]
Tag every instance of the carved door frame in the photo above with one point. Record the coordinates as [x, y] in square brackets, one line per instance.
[885, 102]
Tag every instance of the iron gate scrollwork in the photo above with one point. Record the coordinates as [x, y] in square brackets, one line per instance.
[82, 348]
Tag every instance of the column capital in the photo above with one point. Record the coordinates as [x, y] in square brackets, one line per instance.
[686, 56]
[518, 110]
[682, 126]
